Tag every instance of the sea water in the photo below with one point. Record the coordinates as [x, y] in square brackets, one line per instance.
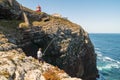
[107, 48]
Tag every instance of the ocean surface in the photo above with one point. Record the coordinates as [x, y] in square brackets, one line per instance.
[107, 48]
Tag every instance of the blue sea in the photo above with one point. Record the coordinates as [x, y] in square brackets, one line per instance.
[107, 48]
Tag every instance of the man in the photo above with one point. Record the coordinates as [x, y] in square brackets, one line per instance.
[39, 55]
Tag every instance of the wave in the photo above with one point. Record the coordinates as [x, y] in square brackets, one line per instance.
[105, 62]
[108, 55]
[98, 52]
[97, 48]
[108, 66]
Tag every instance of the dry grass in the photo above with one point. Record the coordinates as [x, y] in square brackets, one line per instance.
[52, 74]
[5, 73]
[52, 20]
[63, 21]
[23, 25]
[36, 23]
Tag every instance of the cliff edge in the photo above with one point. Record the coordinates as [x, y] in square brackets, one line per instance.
[64, 44]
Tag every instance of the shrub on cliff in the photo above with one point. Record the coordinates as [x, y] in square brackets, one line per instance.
[52, 74]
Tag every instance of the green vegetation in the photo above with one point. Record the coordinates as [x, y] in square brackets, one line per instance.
[9, 25]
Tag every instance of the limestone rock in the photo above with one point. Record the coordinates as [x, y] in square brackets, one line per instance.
[15, 65]
[9, 9]
[63, 43]
[34, 75]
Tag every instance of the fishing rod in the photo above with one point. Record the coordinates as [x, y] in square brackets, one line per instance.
[49, 45]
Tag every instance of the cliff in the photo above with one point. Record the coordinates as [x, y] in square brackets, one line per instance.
[15, 65]
[64, 44]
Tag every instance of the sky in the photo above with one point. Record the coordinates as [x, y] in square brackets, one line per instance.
[95, 16]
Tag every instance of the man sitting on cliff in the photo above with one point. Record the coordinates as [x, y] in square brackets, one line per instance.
[39, 55]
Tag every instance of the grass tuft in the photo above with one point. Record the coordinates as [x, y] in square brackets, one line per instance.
[52, 74]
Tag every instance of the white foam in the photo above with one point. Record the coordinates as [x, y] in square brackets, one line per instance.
[99, 55]
[108, 66]
[109, 63]
[118, 62]
[108, 59]
[97, 48]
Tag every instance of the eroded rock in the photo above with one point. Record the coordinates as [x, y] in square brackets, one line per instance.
[63, 43]
[15, 65]
[66, 46]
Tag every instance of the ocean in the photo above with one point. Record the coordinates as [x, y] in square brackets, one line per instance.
[107, 48]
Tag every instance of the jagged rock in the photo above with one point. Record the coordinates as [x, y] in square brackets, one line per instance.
[1, 48]
[15, 65]
[68, 46]
[34, 75]
[3, 40]
[3, 78]
[63, 43]
[7, 46]
[9, 9]
[46, 19]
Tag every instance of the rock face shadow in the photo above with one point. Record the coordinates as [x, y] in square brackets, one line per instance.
[70, 50]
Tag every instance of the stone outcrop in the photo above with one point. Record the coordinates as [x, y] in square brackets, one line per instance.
[64, 44]
[11, 9]
[67, 46]
[14, 65]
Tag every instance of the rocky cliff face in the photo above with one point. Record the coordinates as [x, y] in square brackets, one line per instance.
[9, 9]
[63, 43]
[15, 65]
[68, 46]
